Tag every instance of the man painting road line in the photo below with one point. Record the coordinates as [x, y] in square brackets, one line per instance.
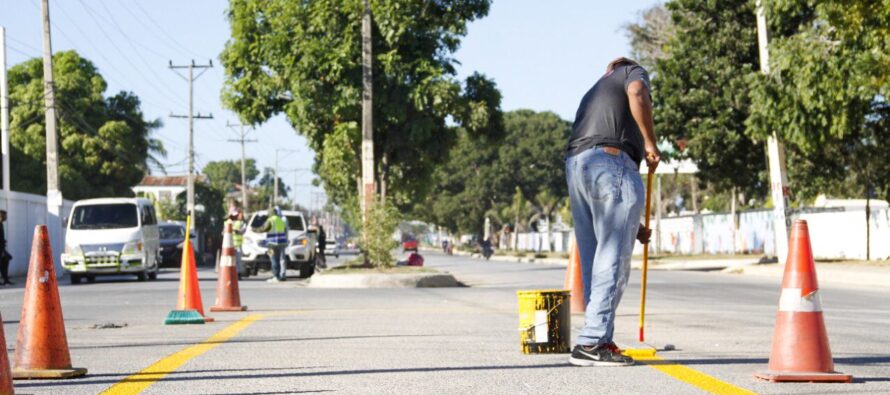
[613, 130]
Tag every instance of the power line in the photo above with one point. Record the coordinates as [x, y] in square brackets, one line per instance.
[163, 31]
[99, 24]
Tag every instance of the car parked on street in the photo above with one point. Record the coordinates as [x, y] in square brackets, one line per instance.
[299, 254]
[172, 237]
[111, 236]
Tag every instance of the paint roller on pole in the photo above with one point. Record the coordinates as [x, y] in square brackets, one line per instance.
[645, 253]
[647, 351]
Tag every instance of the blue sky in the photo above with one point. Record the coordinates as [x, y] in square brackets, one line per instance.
[542, 55]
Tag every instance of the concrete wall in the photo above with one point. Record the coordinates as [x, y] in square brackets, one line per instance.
[24, 212]
[836, 233]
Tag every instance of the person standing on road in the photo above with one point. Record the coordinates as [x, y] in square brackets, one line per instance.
[4, 255]
[612, 133]
[236, 219]
[322, 243]
[276, 240]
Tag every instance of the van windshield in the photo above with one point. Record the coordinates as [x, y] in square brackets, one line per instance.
[105, 216]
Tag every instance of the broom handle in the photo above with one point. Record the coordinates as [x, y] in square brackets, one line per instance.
[645, 253]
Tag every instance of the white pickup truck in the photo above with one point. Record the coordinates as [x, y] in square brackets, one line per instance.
[300, 252]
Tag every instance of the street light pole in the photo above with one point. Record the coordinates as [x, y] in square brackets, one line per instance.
[778, 182]
[275, 181]
[242, 139]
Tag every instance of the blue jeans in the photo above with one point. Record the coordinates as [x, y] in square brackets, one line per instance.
[275, 256]
[607, 198]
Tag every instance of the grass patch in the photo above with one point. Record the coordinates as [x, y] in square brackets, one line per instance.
[359, 268]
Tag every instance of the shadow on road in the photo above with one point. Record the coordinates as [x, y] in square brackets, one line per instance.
[248, 340]
[87, 379]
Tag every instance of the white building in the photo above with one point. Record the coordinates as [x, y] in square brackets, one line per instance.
[164, 187]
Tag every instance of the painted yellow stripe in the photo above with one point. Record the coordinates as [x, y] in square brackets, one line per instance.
[138, 382]
[692, 376]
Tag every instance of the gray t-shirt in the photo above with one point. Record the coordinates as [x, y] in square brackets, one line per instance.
[604, 117]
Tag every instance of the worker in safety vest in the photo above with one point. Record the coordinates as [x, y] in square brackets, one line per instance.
[276, 241]
[236, 218]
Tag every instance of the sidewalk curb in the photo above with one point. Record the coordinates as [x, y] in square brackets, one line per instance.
[831, 274]
[382, 280]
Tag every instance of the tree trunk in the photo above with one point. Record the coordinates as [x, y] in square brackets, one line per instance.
[550, 233]
[384, 170]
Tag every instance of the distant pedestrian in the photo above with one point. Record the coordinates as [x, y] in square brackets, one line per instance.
[322, 243]
[276, 240]
[236, 218]
[613, 132]
[4, 255]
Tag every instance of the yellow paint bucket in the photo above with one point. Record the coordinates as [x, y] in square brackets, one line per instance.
[545, 325]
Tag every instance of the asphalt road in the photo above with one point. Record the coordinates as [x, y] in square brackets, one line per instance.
[295, 339]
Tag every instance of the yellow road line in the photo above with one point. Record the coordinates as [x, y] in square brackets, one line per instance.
[138, 382]
[692, 376]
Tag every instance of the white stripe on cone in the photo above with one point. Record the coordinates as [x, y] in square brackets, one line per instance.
[792, 300]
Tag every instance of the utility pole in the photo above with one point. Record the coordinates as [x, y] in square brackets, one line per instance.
[368, 187]
[190, 201]
[4, 113]
[53, 193]
[778, 181]
[242, 140]
[367, 194]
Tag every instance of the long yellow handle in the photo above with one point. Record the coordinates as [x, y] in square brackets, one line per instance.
[645, 253]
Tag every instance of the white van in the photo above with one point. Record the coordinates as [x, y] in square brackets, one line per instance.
[111, 236]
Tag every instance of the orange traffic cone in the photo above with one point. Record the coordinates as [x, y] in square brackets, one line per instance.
[5, 372]
[228, 297]
[189, 301]
[574, 281]
[41, 349]
[800, 343]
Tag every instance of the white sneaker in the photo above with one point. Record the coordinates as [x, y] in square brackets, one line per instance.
[273, 280]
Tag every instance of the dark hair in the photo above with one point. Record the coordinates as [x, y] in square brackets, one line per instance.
[620, 62]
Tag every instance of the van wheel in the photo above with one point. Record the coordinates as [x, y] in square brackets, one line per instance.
[91, 279]
[141, 276]
[75, 279]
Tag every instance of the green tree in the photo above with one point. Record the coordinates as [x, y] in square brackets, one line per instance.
[826, 97]
[701, 93]
[303, 59]
[208, 221]
[480, 179]
[650, 36]
[104, 143]
[225, 174]
[265, 186]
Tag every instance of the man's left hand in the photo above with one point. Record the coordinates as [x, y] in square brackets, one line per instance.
[643, 234]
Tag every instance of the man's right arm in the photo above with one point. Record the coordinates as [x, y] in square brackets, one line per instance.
[641, 107]
[265, 228]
